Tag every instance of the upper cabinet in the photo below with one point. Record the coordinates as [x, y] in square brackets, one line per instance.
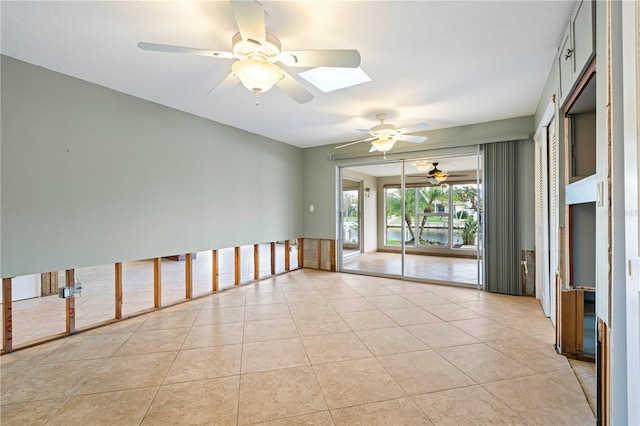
[577, 47]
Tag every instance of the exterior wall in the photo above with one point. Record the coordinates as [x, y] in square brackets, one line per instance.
[93, 176]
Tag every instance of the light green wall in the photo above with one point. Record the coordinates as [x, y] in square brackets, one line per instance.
[93, 176]
[320, 171]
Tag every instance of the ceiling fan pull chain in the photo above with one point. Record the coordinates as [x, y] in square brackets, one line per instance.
[257, 100]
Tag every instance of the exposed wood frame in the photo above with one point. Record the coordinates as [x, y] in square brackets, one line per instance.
[333, 256]
[188, 275]
[273, 258]
[157, 282]
[319, 254]
[214, 270]
[602, 374]
[70, 281]
[287, 255]
[237, 260]
[256, 262]
[118, 284]
[300, 252]
[7, 316]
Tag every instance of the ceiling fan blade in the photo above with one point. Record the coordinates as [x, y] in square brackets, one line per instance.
[250, 19]
[412, 139]
[373, 148]
[353, 143]
[420, 127]
[321, 58]
[186, 50]
[229, 82]
[294, 88]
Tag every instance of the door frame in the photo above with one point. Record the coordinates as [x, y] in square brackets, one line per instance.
[545, 286]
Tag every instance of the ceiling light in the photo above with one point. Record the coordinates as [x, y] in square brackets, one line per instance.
[256, 73]
[422, 165]
[383, 145]
[439, 177]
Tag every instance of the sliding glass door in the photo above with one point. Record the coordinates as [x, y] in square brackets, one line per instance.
[429, 219]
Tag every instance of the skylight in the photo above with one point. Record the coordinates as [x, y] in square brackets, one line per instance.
[329, 79]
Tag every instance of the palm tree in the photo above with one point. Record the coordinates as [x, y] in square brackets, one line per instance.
[430, 196]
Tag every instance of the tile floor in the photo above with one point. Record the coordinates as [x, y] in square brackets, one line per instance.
[437, 268]
[308, 347]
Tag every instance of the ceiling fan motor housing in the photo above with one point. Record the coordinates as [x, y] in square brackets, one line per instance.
[244, 49]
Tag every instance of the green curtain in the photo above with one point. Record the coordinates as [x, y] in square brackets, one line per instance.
[501, 217]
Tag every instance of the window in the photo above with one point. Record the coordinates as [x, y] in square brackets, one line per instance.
[444, 216]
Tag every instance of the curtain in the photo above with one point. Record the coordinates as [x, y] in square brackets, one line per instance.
[502, 213]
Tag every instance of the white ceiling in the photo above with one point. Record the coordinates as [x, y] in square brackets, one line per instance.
[448, 63]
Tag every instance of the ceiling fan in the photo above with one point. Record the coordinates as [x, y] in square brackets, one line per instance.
[384, 136]
[434, 176]
[256, 52]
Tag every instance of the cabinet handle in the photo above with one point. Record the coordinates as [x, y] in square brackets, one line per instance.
[568, 54]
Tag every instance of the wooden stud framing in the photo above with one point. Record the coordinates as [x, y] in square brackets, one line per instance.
[287, 254]
[188, 275]
[214, 270]
[118, 283]
[237, 260]
[319, 254]
[7, 317]
[70, 281]
[333, 256]
[300, 252]
[602, 374]
[273, 258]
[157, 282]
[256, 262]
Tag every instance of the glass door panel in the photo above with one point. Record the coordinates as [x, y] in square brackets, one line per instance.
[351, 219]
[442, 196]
[381, 229]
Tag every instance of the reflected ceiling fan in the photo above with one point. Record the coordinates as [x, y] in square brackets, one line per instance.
[256, 52]
[434, 175]
[384, 136]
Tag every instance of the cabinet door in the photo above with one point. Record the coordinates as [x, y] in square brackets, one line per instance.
[582, 28]
[565, 60]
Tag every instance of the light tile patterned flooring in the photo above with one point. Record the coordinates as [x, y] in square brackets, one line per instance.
[308, 347]
[436, 268]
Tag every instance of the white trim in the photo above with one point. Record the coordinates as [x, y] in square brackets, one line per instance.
[631, 102]
[541, 222]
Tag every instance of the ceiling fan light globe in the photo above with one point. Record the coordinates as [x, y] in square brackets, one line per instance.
[383, 145]
[422, 165]
[256, 73]
[440, 177]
